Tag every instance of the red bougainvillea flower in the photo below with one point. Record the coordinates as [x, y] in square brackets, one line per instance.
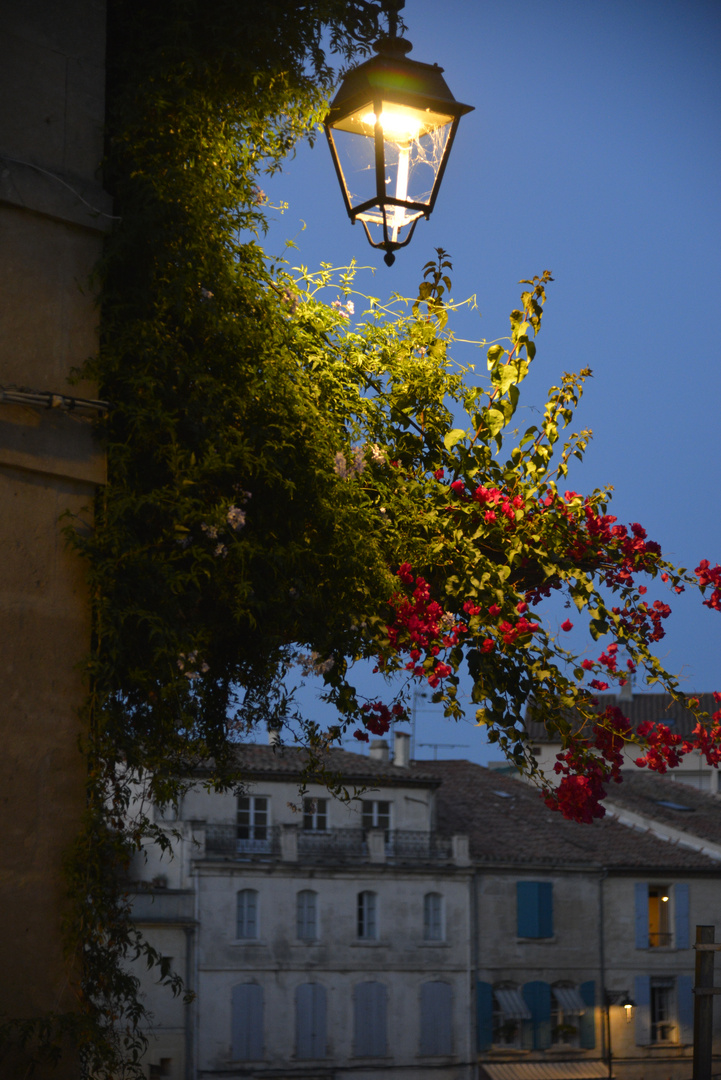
[567, 625]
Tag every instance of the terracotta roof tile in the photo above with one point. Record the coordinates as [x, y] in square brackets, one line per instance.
[641, 707]
[507, 822]
[289, 761]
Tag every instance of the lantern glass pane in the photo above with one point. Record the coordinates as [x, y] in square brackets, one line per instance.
[413, 150]
[356, 156]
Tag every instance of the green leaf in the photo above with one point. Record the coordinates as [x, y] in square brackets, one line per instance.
[452, 437]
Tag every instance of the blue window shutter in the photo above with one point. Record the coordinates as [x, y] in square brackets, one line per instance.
[247, 926]
[370, 1019]
[537, 996]
[642, 996]
[545, 909]
[587, 1032]
[310, 1005]
[681, 915]
[436, 1019]
[684, 1009]
[306, 915]
[641, 915]
[484, 1016]
[534, 909]
[247, 1022]
[527, 908]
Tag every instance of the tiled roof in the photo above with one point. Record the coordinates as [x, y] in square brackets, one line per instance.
[641, 707]
[290, 761]
[667, 801]
[508, 823]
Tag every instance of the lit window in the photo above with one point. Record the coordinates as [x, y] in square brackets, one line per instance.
[662, 915]
[659, 916]
[315, 814]
[247, 915]
[367, 916]
[433, 917]
[307, 915]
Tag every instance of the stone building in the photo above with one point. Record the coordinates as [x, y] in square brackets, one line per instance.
[321, 937]
[53, 214]
[574, 920]
[693, 771]
[441, 923]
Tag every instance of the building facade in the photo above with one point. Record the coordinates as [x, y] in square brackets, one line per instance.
[442, 922]
[321, 937]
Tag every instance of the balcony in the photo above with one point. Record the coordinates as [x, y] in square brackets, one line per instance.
[330, 846]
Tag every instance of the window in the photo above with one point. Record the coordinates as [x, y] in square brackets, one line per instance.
[367, 916]
[247, 1022]
[433, 929]
[377, 815]
[306, 915]
[567, 1008]
[310, 1021]
[526, 1017]
[659, 911]
[534, 909]
[370, 1019]
[253, 823]
[510, 1014]
[662, 915]
[315, 815]
[436, 1019]
[664, 1010]
[247, 914]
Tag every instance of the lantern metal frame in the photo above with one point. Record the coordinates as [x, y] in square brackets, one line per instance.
[391, 78]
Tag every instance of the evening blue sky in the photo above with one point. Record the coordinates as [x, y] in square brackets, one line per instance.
[594, 152]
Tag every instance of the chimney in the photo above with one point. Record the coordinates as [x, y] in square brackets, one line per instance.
[379, 751]
[401, 749]
[625, 692]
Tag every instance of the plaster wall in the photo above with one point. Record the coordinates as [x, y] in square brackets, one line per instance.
[573, 951]
[278, 962]
[52, 85]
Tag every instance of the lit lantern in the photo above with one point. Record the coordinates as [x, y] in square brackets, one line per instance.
[390, 129]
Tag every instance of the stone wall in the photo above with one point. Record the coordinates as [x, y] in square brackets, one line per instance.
[53, 214]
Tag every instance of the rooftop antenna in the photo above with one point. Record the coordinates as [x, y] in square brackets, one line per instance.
[444, 745]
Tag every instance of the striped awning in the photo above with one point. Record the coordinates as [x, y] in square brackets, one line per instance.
[512, 1004]
[569, 999]
[545, 1070]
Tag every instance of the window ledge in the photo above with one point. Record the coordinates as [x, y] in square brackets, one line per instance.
[433, 945]
[370, 944]
[537, 940]
[249, 941]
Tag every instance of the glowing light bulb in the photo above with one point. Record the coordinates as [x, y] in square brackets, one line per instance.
[664, 899]
[396, 126]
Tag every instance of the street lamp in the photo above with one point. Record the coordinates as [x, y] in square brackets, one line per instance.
[390, 129]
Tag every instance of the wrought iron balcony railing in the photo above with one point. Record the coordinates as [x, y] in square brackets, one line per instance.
[327, 845]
